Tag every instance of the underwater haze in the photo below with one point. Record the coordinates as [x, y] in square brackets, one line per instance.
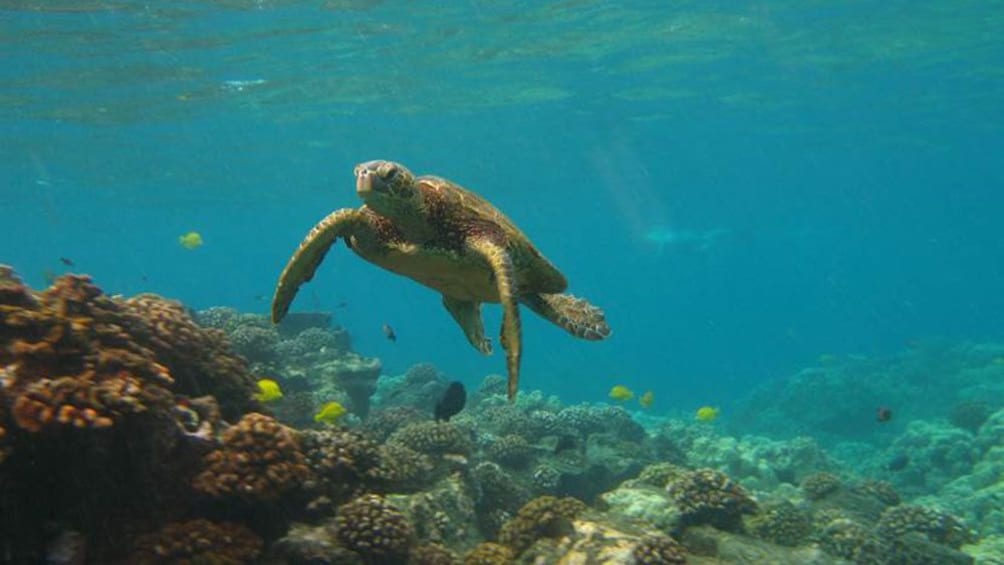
[742, 187]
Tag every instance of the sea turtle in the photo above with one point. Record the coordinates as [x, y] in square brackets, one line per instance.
[451, 240]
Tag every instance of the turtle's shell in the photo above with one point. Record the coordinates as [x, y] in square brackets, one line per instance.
[457, 213]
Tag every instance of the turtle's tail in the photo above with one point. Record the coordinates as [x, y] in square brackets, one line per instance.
[577, 316]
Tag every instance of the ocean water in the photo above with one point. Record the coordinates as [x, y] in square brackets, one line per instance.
[742, 187]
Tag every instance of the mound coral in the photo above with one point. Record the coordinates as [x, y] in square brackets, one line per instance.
[850, 540]
[510, 451]
[375, 529]
[197, 541]
[346, 462]
[880, 490]
[706, 496]
[382, 423]
[432, 554]
[433, 438]
[403, 469]
[937, 526]
[781, 523]
[489, 553]
[658, 550]
[820, 485]
[545, 516]
[259, 459]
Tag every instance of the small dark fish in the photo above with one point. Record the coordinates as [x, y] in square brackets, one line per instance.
[66, 261]
[143, 278]
[898, 463]
[341, 304]
[452, 401]
[389, 332]
[883, 414]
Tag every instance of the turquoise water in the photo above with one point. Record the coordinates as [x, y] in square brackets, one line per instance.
[741, 188]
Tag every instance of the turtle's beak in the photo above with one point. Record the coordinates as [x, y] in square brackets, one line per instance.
[367, 179]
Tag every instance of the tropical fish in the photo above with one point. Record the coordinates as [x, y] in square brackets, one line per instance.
[621, 393]
[66, 261]
[883, 414]
[268, 391]
[330, 413]
[452, 401]
[190, 240]
[647, 399]
[707, 414]
[389, 332]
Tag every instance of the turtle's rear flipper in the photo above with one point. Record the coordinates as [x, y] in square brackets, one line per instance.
[577, 316]
[468, 316]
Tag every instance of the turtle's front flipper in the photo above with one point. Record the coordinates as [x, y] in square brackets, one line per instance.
[575, 315]
[501, 265]
[468, 316]
[303, 263]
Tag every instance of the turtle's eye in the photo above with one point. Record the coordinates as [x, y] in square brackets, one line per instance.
[390, 174]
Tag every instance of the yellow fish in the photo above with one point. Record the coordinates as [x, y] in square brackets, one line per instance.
[330, 413]
[707, 414]
[647, 399]
[190, 240]
[268, 391]
[621, 392]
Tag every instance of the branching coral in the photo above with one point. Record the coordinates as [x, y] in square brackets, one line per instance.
[706, 496]
[375, 529]
[545, 516]
[195, 542]
[259, 458]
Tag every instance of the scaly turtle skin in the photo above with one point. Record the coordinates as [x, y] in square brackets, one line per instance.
[451, 240]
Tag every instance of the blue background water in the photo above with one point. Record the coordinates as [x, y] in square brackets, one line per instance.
[846, 155]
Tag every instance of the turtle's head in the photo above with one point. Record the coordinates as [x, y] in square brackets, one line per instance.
[388, 188]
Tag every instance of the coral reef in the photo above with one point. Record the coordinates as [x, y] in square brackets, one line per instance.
[107, 405]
